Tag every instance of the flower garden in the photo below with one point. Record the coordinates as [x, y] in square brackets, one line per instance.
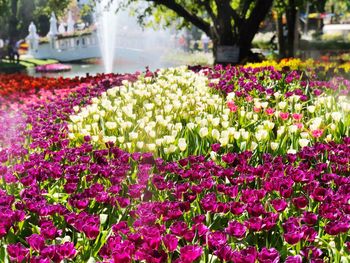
[188, 164]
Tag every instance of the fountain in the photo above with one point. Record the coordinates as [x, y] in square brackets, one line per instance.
[106, 21]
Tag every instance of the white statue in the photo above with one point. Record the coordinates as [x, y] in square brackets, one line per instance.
[62, 29]
[70, 23]
[53, 25]
[32, 38]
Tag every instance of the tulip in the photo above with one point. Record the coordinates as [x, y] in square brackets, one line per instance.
[190, 253]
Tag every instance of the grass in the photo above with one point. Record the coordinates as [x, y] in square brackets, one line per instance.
[32, 62]
[6, 67]
[325, 45]
[185, 58]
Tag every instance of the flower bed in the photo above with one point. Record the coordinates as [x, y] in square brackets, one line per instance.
[68, 193]
[176, 113]
[53, 68]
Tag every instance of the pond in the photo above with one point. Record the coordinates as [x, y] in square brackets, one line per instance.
[81, 69]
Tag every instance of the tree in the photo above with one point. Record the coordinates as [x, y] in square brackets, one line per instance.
[16, 15]
[227, 22]
[288, 33]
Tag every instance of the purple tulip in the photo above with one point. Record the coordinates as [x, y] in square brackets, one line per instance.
[311, 252]
[67, 250]
[319, 194]
[294, 259]
[268, 255]
[215, 147]
[310, 234]
[309, 218]
[17, 252]
[216, 239]
[179, 228]
[236, 229]
[300, 202]
[248, 255]
[337, 227]
[36, 242]
[225, 253]
[190, 253]
[279, 204]
[254, 223]
[170, 242]
[237, 208]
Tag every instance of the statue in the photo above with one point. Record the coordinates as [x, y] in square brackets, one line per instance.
[32, 38]
[53, 26]
[62, 29]
[70, 23]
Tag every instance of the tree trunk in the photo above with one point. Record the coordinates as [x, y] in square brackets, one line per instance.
[13, 21]
[223, 35]
[291, 22]
[248, 29]
[237, 39]
[280, 36]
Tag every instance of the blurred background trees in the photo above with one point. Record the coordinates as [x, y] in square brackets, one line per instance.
[16, 15]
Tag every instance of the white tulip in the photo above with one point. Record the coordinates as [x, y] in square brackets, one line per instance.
[264, 104]
[298, 107]
[304, 135]
[231, 130]
[249, 115]
[178, 126]
[182, 144]
[204, 123]
[236, 135]
[225, 124]
[215, 134]
[311, 109]
[293, 128]
[223, 141]
[336, 116]
[159, 142]
[203, 132]
[292, 151]
[139, 144]
[216, 122]
[110, 125]
[277, 94]
[274, 146]
[303, 142]
[245, 135]
[172, 148]
[282, 105]
[133, 135]
[75, 118]
[190, 125]
[280, 130]
[253, 146]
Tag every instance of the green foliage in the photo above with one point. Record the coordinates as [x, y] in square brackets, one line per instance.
[48, 6]
[86, 14]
